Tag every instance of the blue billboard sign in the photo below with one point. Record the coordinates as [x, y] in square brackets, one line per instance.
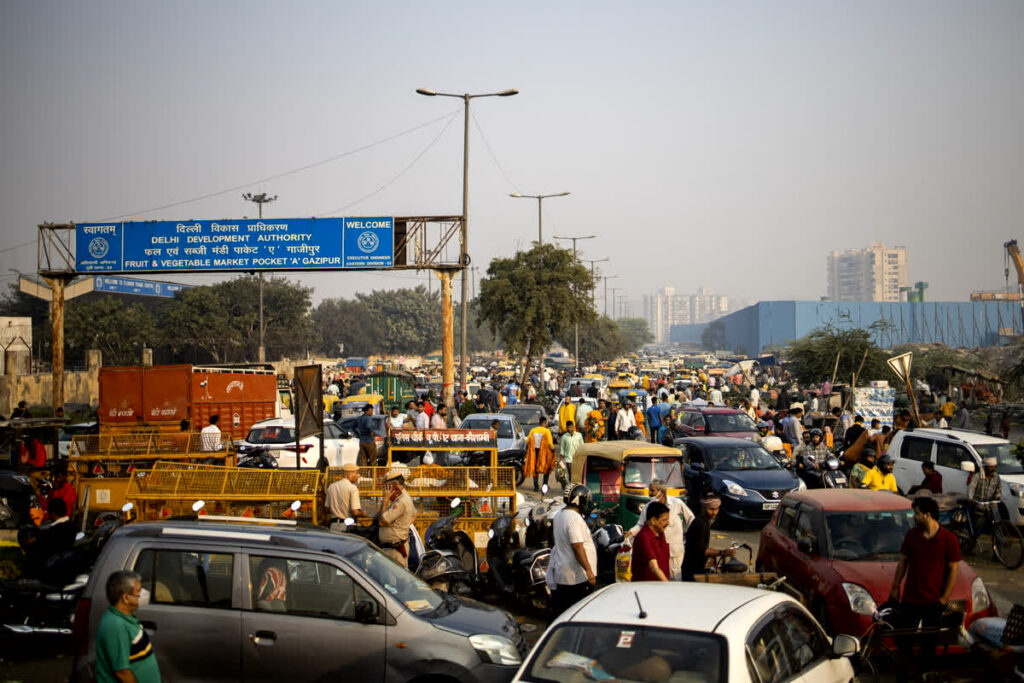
[369, 242]
[121, 285]
[234, 245]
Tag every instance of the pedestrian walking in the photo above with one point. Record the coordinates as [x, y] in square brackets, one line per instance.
[571, 573]
[123, 649]
[649, 560]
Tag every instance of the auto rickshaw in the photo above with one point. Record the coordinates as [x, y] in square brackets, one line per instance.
[353, 405]
[637, 396]
[620, 473]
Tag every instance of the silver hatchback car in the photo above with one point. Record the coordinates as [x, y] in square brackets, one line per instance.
[340, 609]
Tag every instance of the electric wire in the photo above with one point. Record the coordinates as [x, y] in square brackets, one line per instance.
[490, 151]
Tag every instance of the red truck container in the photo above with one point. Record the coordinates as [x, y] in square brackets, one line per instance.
[159, 397]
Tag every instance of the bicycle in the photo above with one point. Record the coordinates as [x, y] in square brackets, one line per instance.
[1007, 542]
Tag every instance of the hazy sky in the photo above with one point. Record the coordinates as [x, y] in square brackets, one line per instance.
[728, 145]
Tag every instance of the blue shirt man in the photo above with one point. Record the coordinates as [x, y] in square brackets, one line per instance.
[654, 420]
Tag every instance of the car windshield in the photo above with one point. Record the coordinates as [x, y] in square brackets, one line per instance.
[1008, 462]
[742, 458]
[640, 471]
[504, 426]
[271, 435]
[730, 422]
[874, 535]
[606, 652]
[416, 595]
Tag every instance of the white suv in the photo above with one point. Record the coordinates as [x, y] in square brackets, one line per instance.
[947, 448]
[277, 435]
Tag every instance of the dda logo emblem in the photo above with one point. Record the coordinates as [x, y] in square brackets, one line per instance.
[368, 242]
[98, 247]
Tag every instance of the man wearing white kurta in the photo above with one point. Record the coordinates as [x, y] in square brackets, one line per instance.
[679, 518]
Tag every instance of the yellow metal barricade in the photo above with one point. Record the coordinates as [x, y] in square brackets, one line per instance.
[104, 464]
[171, 488]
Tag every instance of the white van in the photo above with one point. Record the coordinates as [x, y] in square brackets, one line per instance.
[947, 448]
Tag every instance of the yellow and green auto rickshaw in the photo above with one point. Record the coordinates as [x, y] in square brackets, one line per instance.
[620, 473]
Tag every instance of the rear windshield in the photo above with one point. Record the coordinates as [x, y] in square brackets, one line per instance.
[271, 435]
[504, 426]
[1008, 462]
[526, 416]
[730, 422]
[606, 652]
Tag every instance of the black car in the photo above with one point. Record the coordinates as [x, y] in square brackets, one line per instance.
[748, 479]
[529, 415]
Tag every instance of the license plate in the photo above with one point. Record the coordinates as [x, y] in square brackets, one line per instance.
[769, 506]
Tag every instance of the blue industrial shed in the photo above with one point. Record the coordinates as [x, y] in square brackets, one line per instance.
[958, 324]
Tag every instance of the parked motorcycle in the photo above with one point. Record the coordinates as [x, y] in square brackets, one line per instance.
[520, 572]
[450, 562]
[608, 540]
[256, 457]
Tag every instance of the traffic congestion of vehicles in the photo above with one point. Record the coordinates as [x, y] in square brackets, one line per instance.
[204, 518]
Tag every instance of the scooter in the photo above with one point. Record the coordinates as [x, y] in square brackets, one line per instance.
[608, 540]
[515, 571]
[449, 563]
[733, 565]
[256, 457]
[832, 477]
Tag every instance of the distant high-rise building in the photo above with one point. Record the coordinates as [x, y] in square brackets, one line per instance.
[872, 274]
[665, 308]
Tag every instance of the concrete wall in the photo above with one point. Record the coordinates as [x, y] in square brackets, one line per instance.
[81, 387]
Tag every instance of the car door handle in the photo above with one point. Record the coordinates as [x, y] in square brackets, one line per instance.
[263, 637]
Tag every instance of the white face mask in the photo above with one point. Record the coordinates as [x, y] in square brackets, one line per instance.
[143, 597]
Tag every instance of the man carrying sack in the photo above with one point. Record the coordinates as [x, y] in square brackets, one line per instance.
[399, 512]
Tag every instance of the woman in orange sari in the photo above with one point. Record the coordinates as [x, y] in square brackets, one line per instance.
[540, 453]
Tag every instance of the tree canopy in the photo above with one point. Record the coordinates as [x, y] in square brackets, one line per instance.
[635, 333]
[532, 298]
[813, 357]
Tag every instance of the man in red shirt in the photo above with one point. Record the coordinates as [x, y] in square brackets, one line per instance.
[650, 549]
[929, 559]
[63, 490]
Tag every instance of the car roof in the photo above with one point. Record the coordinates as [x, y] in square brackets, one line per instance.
[710, 409]
[501, 417]
[305, 536]
[956, 435]
[276, 422]
[719, 442]
[851, 500]
[521, 406]
[706, 605]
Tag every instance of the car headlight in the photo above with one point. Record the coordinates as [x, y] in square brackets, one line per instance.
[734, 488]
[800, 484]
[979, 596]
[495, 649]
[860, 599]
[1017, 490]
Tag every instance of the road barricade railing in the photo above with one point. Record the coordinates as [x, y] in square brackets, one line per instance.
[171, 488]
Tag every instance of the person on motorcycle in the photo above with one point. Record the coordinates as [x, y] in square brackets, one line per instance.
[777, 449]
[680, 517]
[572, 569]
[881, 478]
[61, 489]
[814, 453]
[763, 431]
[48, 539]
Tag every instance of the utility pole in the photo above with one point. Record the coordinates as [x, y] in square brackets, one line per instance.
[576, 330]
[260, 199]
[540, 214]
[593, 278]
[614, 302]
[606, 279]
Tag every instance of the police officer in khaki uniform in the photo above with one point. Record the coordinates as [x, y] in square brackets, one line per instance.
[343, 498]
[399, 512]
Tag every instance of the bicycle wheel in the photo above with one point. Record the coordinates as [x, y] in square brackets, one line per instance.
[1007, 544]
[967, 542]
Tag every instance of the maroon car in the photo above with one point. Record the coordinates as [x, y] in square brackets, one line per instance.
[715, 421]
[839, 548]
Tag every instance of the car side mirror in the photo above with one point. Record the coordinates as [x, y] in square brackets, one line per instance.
[845, 646]
[367, 612]
[805, 546]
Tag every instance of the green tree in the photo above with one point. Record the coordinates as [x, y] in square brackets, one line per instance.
[600, 340]
[347, 322]
[199, 317]
[534, 297]
[635, 333]
[406, 320]
[813, 358]
[107, 323]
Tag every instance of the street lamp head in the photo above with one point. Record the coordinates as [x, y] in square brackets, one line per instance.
[561, 194]
[516, 194]
[508, 93]
[424, 91]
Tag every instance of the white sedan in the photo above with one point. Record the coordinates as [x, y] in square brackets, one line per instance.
[277, 435]
[687, 632]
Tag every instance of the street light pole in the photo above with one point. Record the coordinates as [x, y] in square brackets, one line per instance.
[593, 279]
[260, 200]
[614, 300]
[576, 328]
[606, 279]
[540, 215]
[448, 382]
